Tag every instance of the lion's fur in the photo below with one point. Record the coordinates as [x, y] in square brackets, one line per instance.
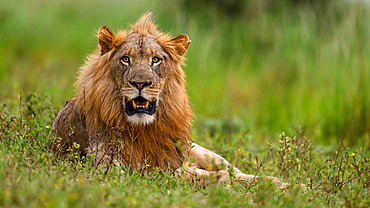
[163, 143]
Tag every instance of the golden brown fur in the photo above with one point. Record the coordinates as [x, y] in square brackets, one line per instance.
[99, 100]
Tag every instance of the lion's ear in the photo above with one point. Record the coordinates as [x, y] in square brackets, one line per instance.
[106, 38]
[181, 43]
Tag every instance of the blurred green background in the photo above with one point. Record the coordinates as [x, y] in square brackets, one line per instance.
[255, 68]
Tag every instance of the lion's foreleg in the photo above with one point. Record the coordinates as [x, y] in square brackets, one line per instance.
[100, 153]
[193, 173]
[208, 163]
[209, 160]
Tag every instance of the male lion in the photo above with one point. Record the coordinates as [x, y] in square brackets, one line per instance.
[132, 107]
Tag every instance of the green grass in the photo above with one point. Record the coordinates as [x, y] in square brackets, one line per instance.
[31, 176]
[301, 69]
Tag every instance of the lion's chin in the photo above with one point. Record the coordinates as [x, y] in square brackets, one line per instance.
[141, 119]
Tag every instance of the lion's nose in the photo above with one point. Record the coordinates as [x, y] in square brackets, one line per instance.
[140, 85]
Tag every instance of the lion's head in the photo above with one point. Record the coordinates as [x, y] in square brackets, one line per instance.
[135, 82]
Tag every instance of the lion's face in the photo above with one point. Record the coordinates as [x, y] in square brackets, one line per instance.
[140, 73]
[140, 63]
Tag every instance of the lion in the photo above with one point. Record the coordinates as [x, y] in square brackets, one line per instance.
[132, 106]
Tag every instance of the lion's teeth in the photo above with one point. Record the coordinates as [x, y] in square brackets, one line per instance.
[134, 104]
[147, 104]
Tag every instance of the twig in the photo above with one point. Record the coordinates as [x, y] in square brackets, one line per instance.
[341, 143]
[20, 110]
[7, 127]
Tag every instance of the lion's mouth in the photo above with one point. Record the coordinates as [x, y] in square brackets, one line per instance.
[140, 105]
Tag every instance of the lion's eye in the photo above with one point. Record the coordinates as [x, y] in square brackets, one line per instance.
[156, 60]
[125, 60]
